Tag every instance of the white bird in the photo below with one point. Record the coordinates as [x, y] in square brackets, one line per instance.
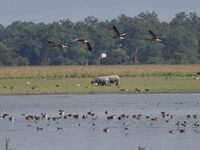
[28, 83]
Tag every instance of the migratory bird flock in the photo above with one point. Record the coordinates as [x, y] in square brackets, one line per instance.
[117, 36]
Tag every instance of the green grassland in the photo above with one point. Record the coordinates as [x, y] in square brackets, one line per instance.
[158, 84]
[76, 79]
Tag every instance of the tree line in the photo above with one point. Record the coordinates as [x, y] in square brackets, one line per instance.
[25, 43]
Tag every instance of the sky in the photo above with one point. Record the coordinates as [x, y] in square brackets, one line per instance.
[48, 11]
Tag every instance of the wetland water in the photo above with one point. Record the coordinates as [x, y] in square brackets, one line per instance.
[150, 130]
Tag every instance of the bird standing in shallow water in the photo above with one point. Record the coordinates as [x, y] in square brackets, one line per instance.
[39, 129]
[141, 148]
[106, 130]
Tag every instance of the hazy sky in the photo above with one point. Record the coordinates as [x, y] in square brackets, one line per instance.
[54, 10]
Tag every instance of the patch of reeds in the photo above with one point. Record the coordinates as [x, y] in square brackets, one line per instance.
[59, 72]
[7, 140]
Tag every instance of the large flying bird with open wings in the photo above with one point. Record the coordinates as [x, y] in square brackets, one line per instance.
[154, 37]
[120, 36]
[86, 42]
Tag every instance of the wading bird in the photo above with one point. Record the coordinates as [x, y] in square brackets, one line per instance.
[154, 37]
[120, 36]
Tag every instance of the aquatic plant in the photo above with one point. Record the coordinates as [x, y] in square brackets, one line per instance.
[7, 140]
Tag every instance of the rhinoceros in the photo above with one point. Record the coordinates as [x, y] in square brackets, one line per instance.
[106, 80]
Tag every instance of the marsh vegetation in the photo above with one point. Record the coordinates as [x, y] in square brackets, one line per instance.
[76, 79]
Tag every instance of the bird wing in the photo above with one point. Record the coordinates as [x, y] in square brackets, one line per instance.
[89, 46]
[54, 44]
[59, 45]
[51, 42]
[152, 34]
[79, 40]
[116, 30]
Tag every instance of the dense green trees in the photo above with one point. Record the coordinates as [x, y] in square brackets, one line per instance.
[25, 43]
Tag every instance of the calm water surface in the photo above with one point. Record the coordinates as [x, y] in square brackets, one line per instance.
[85, 134]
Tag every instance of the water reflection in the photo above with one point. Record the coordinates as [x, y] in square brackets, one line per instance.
[119, 121]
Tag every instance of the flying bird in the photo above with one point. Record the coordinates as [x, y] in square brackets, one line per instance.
[154, 37]
[86, 42]
[118, 35]
[59, 45]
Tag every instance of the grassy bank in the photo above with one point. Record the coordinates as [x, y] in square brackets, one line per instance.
[76, 79]
[82, 85]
